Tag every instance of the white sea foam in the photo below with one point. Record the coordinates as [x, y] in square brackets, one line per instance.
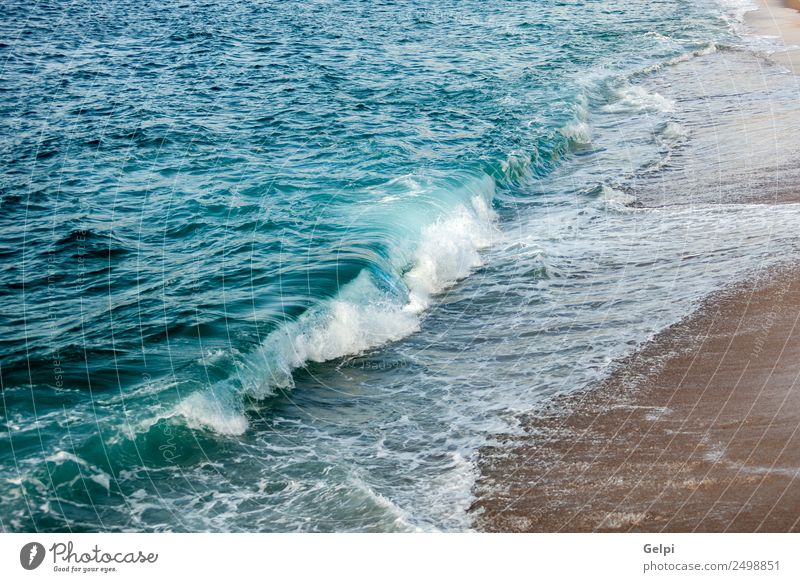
[64, 456]
[217, 356]
[449, 251]
[217, 409]
[362, 316]
[578, 130]
[89, 471]
[673, 133]
[616, 198]
[736, 9]
[637, 99]
[516, 166]
[706, 50]
[401, 519]
[206, 410]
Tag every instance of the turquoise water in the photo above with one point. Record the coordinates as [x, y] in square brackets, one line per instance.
[286, 266]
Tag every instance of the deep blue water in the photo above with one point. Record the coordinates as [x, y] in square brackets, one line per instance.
[285, 266]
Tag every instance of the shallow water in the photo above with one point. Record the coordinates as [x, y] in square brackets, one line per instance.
[286, 267]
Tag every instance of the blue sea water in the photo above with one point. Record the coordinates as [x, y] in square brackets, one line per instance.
[286, 266]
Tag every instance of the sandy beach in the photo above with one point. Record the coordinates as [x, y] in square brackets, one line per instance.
[795, 4]
[699, 429]
[781, 19]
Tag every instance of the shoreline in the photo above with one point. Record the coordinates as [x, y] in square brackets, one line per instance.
[697, 431]
[781, 19]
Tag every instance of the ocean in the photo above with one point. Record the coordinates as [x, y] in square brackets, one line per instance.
[287, 266]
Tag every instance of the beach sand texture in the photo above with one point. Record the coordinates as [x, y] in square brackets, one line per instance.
[698, 431]
[779, 18]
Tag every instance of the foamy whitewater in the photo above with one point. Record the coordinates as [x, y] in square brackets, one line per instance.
[288, 266]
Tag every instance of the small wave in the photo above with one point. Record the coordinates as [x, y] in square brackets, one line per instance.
[448, 252]
[610, 197]
[218, 410]
[735, 10]
[363, 315]
[380, 305]
[92, 473]
[202, 411]
[578, 131]
[616, 198]
[672, 134]
[707, 49]
[515, 168]
[401, 519]
[637, 99]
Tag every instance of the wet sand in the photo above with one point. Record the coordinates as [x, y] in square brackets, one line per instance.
[779, 18]
[698, 431]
